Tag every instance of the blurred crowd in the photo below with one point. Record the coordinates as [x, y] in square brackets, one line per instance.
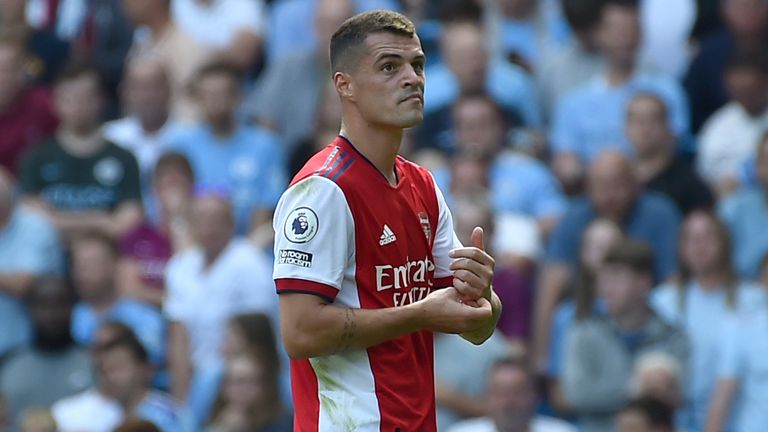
[616, 151]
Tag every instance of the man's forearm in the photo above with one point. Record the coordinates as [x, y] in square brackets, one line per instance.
[482, 334]
[16, 285]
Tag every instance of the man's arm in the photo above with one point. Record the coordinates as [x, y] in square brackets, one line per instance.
[70, 223]
[481, 334]
[16, 284]
[720, 406]
[312, 327]
[554, 279]
[179, 363]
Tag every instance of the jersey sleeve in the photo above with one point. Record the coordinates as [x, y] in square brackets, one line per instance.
[314, 238]
[445, 241]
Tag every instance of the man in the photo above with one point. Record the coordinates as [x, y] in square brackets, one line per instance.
[730, 136]
[224, 275]
[26, 114]
[30, 248]
[590, 119]
[645, 415]
[745, 213]
[53, 367]
[164, 40]
[356, 280]
[613, 193]
[245, 160]
[602, 349]
[122, 391]
[511, 403]
[289, 96]
[79, 180]
[658, 164]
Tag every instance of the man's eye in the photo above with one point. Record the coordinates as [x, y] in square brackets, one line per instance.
[418, 67]
[388, 67]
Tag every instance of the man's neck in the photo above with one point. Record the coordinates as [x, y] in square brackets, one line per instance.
[649, 166]
[151, 126]
[132, 404]
[223, 128]
[633, 319]
[710, 281]
[212, 254]
[102, 303]
[378, 145]
[618, 73]
[80, 143]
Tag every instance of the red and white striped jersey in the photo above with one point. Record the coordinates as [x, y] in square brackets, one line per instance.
[344, 233]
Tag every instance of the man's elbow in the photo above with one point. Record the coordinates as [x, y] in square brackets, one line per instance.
[299, 345]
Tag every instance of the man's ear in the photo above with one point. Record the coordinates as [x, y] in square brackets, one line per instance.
[344, 85]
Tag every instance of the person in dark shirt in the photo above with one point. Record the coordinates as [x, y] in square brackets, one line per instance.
[77, 178]
[659, 168]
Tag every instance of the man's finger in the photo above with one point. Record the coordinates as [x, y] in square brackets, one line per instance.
[474, 254]
[477, 238]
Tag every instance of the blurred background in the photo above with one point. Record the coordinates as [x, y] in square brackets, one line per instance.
[615, 150]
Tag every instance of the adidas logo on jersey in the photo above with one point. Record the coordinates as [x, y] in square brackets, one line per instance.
[387, 236]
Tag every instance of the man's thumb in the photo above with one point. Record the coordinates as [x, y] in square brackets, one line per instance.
[478, 240]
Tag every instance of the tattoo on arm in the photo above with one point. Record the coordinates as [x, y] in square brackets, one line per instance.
[348, 333]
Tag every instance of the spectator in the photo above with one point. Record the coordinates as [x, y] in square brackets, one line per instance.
[26, 113]
[145, 251]
[148, 129]
[29, 248]
[222, 275]
[511, 401]
[77, 178]
[94, 263]
[245, 160]
[137, 426]
[730, 136]
[37, 420]
[122, 391]
[599, 237]
[46, 53]
[704, 294]
[572, 65]
[53, 367]
[740, 395]
[744, 213]
[460, 390]
[613, 194]
[601, 350]
[233, 29]
[289, 96]
[577, 139]
[659, 166]
[659, 376]
[467, 69]
[249, 398]
[161, 38]
[645, 415]
[746, 29]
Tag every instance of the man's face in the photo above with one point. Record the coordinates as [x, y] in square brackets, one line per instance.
[174, 189]
[217, 94]
[748, 88]
[633, 421]
[619, 34]
[147, 92]
[122, 375]
[746, 17]
[511, 397]
[700, 246]
[50, 307]
[387, 84]
[212, 223]
[11, 74]
[463, 49]
[139, 11]
[620, 288]
[93, 269]
[647, 127]
[612, 190]
[478, 125]
[78, 103]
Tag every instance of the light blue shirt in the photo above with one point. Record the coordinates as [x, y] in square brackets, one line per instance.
[29, 244]
[162, 411]
[508, 84]
[592, 118]
[746, 214]
[702, 318]
[745, 357]
[249, 165]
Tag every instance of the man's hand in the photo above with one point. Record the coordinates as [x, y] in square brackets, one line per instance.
[473, 269]
[444, 311]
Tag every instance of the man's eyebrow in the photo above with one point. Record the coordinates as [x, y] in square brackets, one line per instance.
[394, 56]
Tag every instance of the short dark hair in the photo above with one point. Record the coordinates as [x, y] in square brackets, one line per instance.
[347, 40]
[755, 60]
[632, 254]
[459, 10]
[583, 15]
[134, 425]
[214, 69]
[127, 340]
[95, 236]
[658, 414]
[519, 364]
[174, 161]
[646, 94]
[75, 70]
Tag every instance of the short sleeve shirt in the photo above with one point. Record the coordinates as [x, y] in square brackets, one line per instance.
[344, 233]
[101, 181]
